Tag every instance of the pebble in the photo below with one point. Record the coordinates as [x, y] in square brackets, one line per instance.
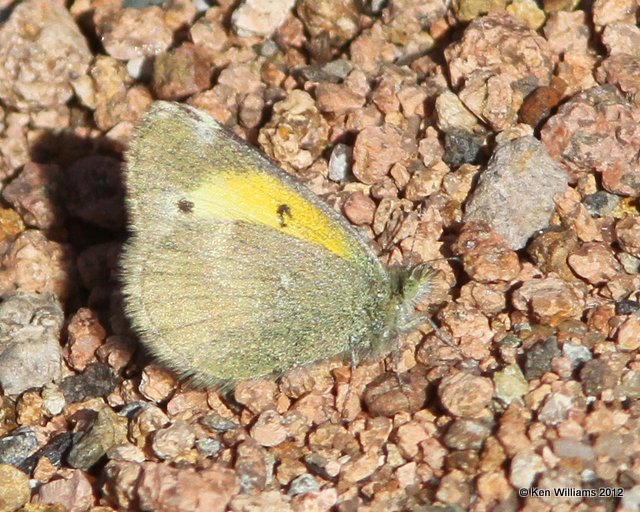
[257, 396]
[255, 18]
[510, 384]
[376, 149]
[551, 300]
[269, 429]
[627, 232]
[340, 162]
[485, 255]
[494, 53]
[85, 336]
[251, 466]
[30, 352]
[98, 380]
[596, 376]
[525, 466]
[581, 136]
[391, 394]
[106, 431]
[525, 178]
[303, 484]
[577, 354]
[465, 434]
[297, 133]
[14, 491]
[465, 395]
[17, 446]
[74, 492]
[463, 146]
[594, 262]
[360, 467]
[34, 264]
[173, 441]
[36, 195]
[180, 73]
[47, 51]
[132, 33]
[162, 487]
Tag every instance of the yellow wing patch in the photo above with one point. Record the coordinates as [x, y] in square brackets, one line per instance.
[260, 198]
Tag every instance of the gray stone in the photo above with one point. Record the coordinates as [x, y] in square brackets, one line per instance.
[515, 192]
[17, 446]
[30, 352]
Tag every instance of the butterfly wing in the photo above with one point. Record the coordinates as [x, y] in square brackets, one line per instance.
[233, 269]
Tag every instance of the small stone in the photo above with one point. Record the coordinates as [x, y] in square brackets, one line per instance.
[17, 446]
[528, 13]
[629, 334]
[180, 73]
[376, 149]
[551, 300]
[486, 256]
[107, 431]
[131, 33]
[577, 354]
[359, 209]
[594, 262]
[209, 447]
[297, 133]
[303, 484]
[85, 336]
[468, 10]
[174, 440]
[601, 203]
[582, 138]
[251, 467]
[217, 423]
[162, 487]
[360, 467]
[340, 162]
[14, 491]
[52, 400]
[35, 264]
[453, 115]
[255, 18]
[75, 492]
[337, 20]
[555, 409]
[257, 396]
[628, 234]
[269, 429]
[391, 394]
[525, 466]
[53, 452]
[463, 146]
[97, 380]
[36, 195]
[157, 383]
[30, 352]
[338, 99]
[596, 376]
[526, 178]
[465, 395]
[467, 434]
[490, 64]
[46, 51]
[510, 384]
[539, 358]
